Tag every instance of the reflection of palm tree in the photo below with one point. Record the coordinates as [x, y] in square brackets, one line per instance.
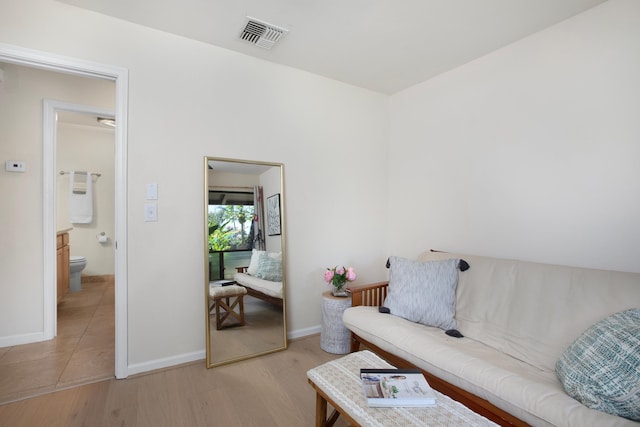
[237, 216]
[242, 218]
[218, 238]
[229, 214]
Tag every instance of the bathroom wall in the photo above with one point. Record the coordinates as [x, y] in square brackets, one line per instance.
[88, 148]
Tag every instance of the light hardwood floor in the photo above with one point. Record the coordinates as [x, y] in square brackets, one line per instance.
[82, 352]
[270, 390]
[263, 331]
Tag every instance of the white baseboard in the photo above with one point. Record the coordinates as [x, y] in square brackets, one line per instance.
[299, 333]
[10, 341]
[166, 362]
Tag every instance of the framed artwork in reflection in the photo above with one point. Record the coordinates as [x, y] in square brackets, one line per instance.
[273, 215]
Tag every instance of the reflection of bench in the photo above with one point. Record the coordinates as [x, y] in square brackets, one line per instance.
[224, 300]
[259, 288]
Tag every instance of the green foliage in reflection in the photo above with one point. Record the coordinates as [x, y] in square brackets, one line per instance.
[229, 227]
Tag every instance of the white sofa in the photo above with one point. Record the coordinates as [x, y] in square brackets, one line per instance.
[264, 289]
[517, 319]
[263, 276]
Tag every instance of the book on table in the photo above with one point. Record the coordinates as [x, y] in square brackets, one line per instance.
[396, 387]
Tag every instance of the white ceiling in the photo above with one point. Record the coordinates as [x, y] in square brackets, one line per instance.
[238, 167]
[382, 45]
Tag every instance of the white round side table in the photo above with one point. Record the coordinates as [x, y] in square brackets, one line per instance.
[334, 337]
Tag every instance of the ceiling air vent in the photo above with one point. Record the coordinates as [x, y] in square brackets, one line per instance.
[261, 34]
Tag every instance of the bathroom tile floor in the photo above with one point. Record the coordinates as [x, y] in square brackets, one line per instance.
[82, 352]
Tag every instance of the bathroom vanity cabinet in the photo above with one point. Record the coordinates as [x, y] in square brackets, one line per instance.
[62, 255]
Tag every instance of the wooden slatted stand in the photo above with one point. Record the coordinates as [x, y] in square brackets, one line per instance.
[224, 300]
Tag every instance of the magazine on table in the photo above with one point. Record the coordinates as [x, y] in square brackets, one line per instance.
[396, 387]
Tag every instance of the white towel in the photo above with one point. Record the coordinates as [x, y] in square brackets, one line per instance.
[80, 198]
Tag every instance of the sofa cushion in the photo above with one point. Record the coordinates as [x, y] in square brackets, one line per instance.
[267, 287]
[530, 394]
[269, 269]
[423, 292]
[255, 259]
[534, 311]
[601, 368]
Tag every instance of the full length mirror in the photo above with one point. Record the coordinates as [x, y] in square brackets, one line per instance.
[244, 259]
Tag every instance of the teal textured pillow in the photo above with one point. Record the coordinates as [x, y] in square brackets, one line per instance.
[601, 369]
[423, 291]
[269, 269]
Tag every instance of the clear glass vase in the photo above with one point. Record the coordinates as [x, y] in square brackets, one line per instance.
[340, 292]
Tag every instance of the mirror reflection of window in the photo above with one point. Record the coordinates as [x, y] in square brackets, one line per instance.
[230, 218]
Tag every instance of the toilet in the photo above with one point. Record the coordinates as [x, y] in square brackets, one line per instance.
[76, 265]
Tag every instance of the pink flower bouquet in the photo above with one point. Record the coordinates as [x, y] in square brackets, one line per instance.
[338, 276]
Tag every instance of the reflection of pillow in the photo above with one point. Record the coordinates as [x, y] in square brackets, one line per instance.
[423, 292]
[601, 369]
[269, 268]
[255, 260]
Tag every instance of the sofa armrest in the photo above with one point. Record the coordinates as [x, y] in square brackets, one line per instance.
[371, 295]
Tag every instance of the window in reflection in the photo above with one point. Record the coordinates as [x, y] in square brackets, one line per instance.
[230, 220]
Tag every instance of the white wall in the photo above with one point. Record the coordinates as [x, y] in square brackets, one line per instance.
[228, 179]
[531, 152]
[86, 148]
[187, 100]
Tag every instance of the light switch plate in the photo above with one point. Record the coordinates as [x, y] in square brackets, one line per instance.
[150, 212]
[152, 191]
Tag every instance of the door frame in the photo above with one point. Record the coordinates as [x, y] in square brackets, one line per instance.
[120, 76]
[50, 109]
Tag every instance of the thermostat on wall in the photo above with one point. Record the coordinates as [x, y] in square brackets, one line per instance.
[15, 166]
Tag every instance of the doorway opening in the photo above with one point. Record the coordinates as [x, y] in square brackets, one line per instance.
[76, 67]
[85, 303]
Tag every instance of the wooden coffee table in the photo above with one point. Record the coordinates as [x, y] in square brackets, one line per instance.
[338, 383]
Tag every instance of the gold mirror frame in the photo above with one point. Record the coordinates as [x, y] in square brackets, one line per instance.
[223, 349]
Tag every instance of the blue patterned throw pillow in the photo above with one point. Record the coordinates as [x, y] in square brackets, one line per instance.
[423, 291]
[269, 268]
[601, 369]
